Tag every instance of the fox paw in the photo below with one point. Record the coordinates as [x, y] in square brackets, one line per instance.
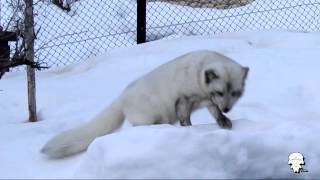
[225, 122]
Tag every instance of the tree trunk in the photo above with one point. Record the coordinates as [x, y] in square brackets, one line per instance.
[29, 36]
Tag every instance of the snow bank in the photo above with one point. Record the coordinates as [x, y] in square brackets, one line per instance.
[278, 114]
[251, 150]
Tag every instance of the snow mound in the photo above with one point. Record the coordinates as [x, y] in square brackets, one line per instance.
[278, 114]
[201, 151]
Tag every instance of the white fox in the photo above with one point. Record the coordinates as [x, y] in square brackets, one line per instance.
[167, 94]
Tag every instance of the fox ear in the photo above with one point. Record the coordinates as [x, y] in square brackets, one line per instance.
[210, 75]
[246, 71]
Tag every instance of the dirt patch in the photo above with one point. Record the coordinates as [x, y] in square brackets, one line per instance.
[217, 4]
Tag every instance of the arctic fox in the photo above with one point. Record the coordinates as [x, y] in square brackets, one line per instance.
[167, 94]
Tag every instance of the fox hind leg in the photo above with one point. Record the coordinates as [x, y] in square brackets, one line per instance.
[138, 119]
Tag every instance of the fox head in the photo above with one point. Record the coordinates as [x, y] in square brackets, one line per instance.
[224, 83]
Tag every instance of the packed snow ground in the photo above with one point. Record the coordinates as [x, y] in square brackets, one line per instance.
[278, 114]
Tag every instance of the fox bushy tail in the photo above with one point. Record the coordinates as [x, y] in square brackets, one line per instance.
[78, 139]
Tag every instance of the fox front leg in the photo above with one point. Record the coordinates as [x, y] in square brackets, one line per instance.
[183, 111]
[221, 119]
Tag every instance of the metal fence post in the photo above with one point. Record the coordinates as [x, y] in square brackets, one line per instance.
[141, 21]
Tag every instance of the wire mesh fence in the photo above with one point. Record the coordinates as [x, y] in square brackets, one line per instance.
[89, 28]
[70, 36]
[202, 16]
[84, 28]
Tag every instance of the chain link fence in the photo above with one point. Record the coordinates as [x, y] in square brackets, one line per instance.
[69, 36]
[87, 28]
[201, 17]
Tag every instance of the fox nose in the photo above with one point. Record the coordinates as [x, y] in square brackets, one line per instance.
[225, 110]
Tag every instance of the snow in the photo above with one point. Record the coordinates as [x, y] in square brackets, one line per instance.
[278, 114]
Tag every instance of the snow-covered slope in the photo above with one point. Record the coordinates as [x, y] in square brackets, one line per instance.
[278, 114]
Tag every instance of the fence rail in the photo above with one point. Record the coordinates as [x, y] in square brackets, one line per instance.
[89, 28]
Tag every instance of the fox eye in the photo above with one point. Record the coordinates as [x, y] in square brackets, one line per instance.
[219, 93]
[236, 94]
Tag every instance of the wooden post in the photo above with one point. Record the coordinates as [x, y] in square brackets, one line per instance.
[141, 21]
[29, 36]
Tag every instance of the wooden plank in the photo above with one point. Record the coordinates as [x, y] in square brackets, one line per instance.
[6, 36]
[4, 56]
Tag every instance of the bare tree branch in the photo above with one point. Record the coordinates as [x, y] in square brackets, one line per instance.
[21, 61]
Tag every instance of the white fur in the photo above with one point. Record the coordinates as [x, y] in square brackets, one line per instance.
[151, 99]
